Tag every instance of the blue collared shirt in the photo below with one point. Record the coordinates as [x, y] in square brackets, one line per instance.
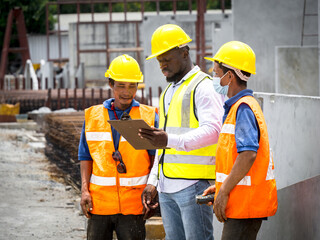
[83, 152]
[247, 132]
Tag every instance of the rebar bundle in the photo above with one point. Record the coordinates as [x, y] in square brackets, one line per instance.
[62, 133]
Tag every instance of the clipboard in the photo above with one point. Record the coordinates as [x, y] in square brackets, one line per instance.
[129, 129]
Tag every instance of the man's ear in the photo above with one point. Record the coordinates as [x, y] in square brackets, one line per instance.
[185, 53]
[231, 74]
[110, 85]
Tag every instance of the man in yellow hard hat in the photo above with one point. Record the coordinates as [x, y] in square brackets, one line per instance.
[245, 188]
[190, 121]
[113, 173]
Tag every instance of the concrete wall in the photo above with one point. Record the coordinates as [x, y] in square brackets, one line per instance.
[297, 70]
[38, 47]
[319, 40]
[266, 25]
[294, 133]
[93, 36]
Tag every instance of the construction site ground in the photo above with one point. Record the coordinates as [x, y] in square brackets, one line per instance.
[36, 202]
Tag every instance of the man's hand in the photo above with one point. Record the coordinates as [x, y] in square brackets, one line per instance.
[209, 190]
[149, 200]
[220, 205]
[239, 170]
[86, 204]
[157, 137]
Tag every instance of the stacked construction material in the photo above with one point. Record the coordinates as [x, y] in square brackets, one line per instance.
[62, 132]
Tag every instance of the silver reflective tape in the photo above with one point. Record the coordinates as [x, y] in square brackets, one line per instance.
[228, 128]
[270, 173]
[190, 159]
[135, 181]
[98, 136]
[221, 177]
[185, 108]
[103, 181]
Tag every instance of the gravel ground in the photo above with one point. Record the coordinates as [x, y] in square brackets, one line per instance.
[36, 202]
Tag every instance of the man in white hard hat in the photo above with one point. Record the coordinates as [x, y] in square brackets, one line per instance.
[190, 121]
[113, 173]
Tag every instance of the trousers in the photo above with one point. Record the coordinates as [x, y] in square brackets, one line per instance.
[183, 218]
[241, 229]
[127, 227]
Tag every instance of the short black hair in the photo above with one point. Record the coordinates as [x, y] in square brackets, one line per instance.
[182, 48]
[238, 79]
[111, 81]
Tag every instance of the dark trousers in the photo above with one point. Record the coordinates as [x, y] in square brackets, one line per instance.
[127, 227]
[241, 229]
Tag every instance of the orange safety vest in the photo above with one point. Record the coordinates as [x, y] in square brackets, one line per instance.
[255, 196]
[113, 192]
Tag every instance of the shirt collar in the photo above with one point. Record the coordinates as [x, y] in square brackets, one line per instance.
[235, 98]
[107, 104]
[194, 70]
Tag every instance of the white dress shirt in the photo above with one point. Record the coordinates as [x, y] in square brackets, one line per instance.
[209, 110]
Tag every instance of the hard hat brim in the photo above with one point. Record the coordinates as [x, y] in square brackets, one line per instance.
[125, 80]
[166, 50]
[216, 59]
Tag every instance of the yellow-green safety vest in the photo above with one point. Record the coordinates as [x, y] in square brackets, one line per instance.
[180, 119]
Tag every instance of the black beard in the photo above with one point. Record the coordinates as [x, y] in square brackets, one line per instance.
[175, 78]
[171, 79]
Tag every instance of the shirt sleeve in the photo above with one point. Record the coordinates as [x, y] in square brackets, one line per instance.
[246, 130]
[153, 175]
[156, 125]
[209, 110]
[83, 151]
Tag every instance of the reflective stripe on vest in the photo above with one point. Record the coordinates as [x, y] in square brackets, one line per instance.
[111, 181]
[101, 136]
[98, 136]
[228, 128]
[103, 181]
[195, 164]
[246, 181]
[135, 181]
[255, 196]
[112, 192]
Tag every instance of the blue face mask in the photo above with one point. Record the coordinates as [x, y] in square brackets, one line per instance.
[220, 89]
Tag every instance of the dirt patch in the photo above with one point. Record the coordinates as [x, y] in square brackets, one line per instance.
[37, 203]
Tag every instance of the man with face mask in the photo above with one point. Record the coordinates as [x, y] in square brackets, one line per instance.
[245, 188]
[190, 117]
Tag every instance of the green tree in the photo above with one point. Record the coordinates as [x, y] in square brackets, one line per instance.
[34, 16]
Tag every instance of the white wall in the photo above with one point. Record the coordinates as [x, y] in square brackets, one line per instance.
[297, 70]
[294, 133]
[38, 47]
[265, 25]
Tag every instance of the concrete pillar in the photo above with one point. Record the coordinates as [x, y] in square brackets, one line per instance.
[319, 41]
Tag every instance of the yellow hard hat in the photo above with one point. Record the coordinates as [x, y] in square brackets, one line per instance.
[238, 55]
[124, 68]
[167, 37]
